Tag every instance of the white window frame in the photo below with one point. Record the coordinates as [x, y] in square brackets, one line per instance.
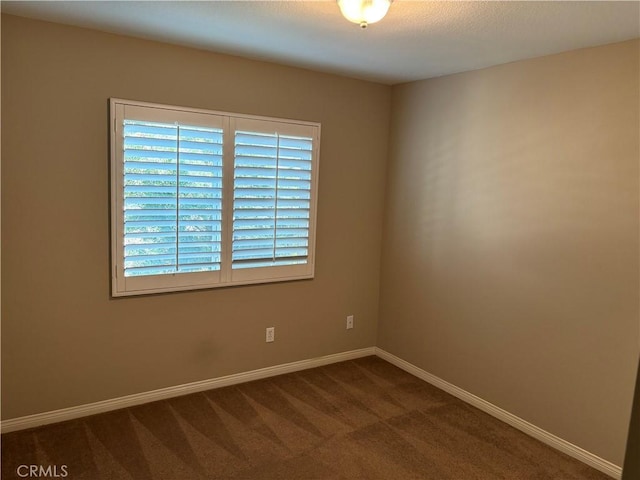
[226, 276]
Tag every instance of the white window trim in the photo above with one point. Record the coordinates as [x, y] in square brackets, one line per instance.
[226, 276]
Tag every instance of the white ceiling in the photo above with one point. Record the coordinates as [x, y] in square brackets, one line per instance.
[417, 39]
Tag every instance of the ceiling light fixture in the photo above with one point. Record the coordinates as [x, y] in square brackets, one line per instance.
[364, 12]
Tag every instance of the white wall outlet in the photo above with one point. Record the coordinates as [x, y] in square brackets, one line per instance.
[349, 322]
[271, 334]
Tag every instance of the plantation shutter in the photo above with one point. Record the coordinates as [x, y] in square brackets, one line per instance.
[272, 206]
[171, 187]
[203, 199]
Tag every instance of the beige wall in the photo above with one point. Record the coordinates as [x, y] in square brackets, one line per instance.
[510, 245]
[510, 260]
[65, 342]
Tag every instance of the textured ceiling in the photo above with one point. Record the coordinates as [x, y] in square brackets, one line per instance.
[417, 39]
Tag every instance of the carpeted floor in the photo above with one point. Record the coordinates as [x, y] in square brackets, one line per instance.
[361, 419]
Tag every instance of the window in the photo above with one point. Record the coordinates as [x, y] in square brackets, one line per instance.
[203, 199]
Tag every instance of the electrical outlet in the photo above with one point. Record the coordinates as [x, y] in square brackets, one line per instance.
[349, 322]
[271, 334]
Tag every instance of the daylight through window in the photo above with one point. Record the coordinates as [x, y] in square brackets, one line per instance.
[206, 199]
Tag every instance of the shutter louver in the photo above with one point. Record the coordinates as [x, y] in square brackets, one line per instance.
[172, 198]
[272, 199]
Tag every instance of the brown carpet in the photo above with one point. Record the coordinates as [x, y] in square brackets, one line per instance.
[361, 419]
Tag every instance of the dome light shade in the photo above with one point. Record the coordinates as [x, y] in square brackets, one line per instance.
[364, 12]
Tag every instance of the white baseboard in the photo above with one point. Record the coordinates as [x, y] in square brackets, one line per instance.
[70, 413]
[558, 443]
